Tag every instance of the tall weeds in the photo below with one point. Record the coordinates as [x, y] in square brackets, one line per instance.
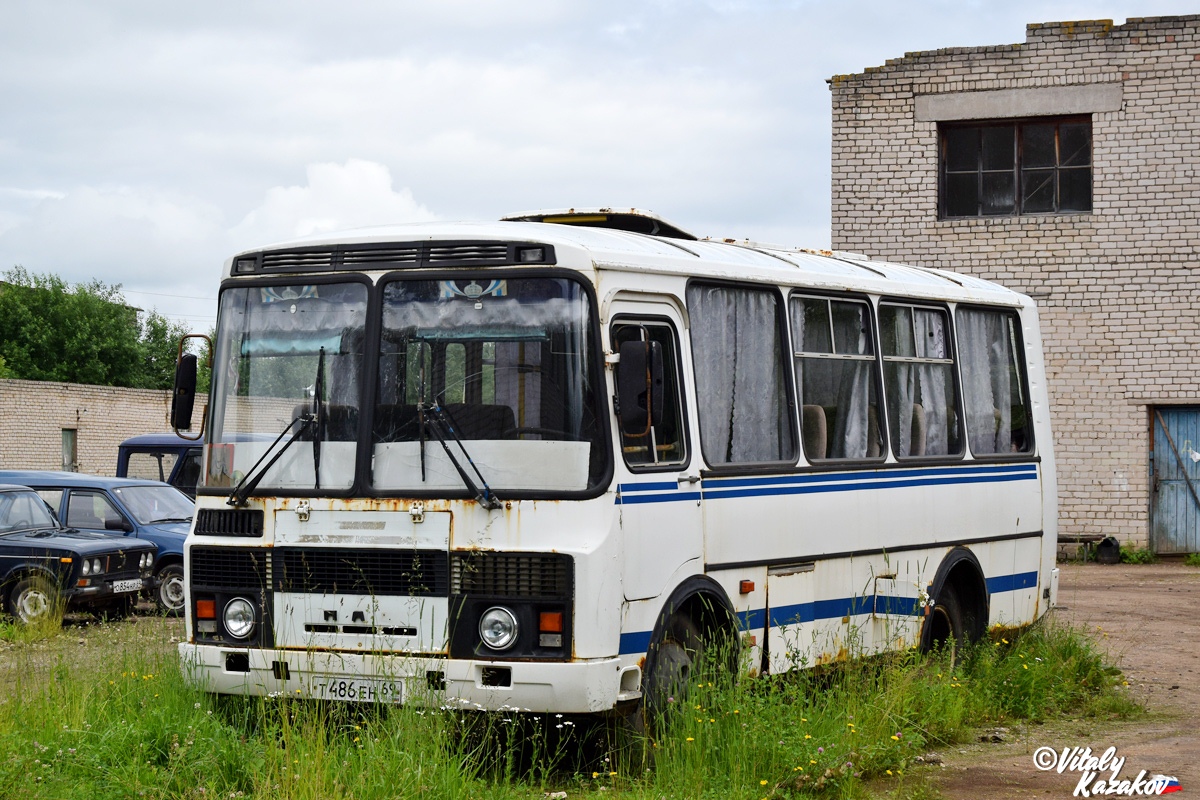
[122, 724]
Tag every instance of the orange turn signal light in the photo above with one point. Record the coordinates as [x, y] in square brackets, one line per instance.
[746, 587]
[206, 609]
[550, 622]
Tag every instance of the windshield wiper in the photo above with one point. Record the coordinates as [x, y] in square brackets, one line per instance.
[318, 414]
[169, 519]
[251, 479]
[440, 427]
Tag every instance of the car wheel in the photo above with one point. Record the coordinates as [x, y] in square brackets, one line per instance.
[32, 599]
[170, 590]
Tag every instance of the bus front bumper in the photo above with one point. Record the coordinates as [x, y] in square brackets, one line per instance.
[575, 687]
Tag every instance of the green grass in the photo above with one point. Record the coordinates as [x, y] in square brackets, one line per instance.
[1136, 555]
[1191, 560]
[112, 718]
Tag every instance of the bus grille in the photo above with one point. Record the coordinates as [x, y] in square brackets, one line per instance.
[298, 260]
[511, 574]
[469, 252]
[230, 568]
[229, 522]
[329, 258]
[405, 573]
[364, 259]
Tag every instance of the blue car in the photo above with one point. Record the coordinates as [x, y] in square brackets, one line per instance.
[44, 566]
[149, 510]
[162, 457]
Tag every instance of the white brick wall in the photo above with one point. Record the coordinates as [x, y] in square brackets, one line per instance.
[33, 415]
[1119, 288]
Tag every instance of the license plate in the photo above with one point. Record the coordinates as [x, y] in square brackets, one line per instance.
[358, 690]
[127, 586]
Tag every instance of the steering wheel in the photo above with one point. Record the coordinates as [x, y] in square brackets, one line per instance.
[521, 430]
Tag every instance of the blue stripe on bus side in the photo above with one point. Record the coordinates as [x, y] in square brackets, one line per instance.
[1011, 583]
[664, 492]
[639, 642]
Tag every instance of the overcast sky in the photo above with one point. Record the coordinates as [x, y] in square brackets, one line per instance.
[143, 141]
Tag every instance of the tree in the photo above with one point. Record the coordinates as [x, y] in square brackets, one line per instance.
[51, 331]
[160, 348]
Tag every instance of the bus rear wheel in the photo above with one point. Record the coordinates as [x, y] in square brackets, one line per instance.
[948, 629]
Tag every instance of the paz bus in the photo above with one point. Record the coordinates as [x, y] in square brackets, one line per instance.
[542, 463]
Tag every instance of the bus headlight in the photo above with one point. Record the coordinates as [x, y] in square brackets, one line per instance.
[239, 617]
[498, 628]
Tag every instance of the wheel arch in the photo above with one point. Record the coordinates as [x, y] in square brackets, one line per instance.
[704, 601]
[25, 570]
[960, 571]
[165, 560]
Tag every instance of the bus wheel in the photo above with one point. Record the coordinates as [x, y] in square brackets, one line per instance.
[675, 660]
[947, 625]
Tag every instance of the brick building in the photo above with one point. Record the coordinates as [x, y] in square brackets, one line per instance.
[47, 425]
[1066, 167]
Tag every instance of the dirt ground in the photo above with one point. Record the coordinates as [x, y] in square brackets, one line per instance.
[1149, 618]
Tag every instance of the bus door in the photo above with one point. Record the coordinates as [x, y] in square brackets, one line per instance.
[658, 488]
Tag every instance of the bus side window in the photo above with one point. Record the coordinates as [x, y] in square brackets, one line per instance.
[918, 378]
[835, 377]
[997, 403]
[664, 443]
[744, 400]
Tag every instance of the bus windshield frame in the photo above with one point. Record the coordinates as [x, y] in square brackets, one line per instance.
[317, 360]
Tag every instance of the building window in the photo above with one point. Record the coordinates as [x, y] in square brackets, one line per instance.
[1037, 166]
[70, 451]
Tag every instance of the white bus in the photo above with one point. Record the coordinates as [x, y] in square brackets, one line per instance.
[540, 463]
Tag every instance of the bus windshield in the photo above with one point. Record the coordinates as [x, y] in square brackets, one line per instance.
[285, 353]
[480, 385]
[500, 369]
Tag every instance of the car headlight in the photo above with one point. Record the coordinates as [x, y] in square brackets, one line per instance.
[239, 617]
[96, 570]
[144, 561]
[498, 628]
[87, 567]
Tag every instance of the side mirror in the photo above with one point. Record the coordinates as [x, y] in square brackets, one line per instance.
[118, 524]
[183, 400]
[640, 386]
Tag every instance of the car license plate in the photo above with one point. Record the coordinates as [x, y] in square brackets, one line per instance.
[127, 586]
[359, 690]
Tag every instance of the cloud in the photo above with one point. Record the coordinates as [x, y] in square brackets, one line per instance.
[337, 196]
[118, 234]
[166, 249]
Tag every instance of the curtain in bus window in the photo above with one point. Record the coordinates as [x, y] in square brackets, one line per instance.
[844, 387]
[987, 364]
[921, 420]
[851, 330]
[519, 380]
[930, 330]
[739, 375]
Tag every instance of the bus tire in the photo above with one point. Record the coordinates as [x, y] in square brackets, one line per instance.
[666, 683]
[948, 629]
